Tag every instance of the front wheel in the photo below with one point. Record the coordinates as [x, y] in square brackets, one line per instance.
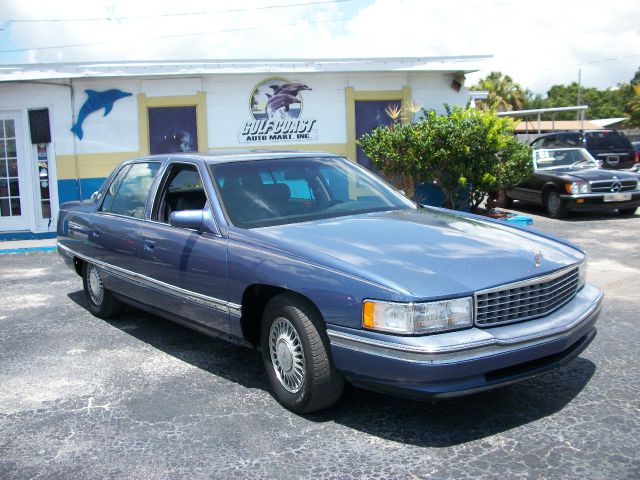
[296, 356]
[101, 301]
[554, 206]
[627, 211]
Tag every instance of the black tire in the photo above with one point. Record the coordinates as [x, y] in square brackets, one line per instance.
[627, 211]
[297, 355]
[101, 301]
[553, 204]
[503, 200]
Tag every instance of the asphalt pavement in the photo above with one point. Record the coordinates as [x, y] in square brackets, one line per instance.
[140, 397]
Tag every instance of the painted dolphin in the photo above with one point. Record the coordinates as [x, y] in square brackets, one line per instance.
[289, 88]
[279, 101]
[95, 102]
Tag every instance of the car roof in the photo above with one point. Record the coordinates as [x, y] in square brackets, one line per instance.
[559, 148]
[560, 132]
[227, 156]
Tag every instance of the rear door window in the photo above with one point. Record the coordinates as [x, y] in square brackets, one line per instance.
[570, 139]
[127, 194]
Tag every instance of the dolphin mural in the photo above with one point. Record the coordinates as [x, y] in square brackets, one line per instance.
[289, 88]
[279, 101]
[95, 102]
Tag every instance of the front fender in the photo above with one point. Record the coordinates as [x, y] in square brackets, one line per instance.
[337, 294]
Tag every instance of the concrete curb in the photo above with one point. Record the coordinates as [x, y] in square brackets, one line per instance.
[27, 246]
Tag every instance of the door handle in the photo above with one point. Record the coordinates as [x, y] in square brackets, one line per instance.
[149, 245]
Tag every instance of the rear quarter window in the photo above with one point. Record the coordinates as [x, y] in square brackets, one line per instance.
[607, 140]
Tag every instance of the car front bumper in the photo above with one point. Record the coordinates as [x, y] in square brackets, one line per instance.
[467, 361]
[596, 202]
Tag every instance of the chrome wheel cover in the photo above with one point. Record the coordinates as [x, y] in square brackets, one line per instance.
[287, 355]
[553, 203]
[96, 288]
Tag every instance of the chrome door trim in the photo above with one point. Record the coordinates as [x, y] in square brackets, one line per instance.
[187, 295]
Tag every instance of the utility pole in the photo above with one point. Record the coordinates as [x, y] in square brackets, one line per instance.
[579, 91]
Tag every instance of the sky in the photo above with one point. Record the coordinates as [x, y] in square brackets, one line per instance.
[538, 43]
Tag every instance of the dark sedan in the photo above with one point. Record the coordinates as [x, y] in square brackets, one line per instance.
[332, 274]
[568, 179]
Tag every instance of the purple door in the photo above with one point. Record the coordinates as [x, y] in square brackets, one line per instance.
[369, 115]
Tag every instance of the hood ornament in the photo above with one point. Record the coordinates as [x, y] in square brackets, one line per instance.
[537, 258]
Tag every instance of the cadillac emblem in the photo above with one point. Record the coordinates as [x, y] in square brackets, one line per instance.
[537, 259]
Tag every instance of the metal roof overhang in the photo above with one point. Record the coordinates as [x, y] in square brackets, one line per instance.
[59, 71]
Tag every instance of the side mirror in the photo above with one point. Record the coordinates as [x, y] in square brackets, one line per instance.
[403, 193]
[199, 220]
[95, 195]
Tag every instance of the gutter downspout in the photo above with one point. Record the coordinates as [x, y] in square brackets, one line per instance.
[76, 169]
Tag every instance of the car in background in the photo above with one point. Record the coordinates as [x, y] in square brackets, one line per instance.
[636, 147]
[330, 273]
[610, 147]
[568, 179]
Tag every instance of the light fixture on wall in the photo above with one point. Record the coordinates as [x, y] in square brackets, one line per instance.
[458, 81]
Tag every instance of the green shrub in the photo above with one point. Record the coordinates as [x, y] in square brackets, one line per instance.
[465, 151]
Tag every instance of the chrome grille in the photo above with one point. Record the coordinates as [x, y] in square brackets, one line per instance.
[526, 300]
[605, 187]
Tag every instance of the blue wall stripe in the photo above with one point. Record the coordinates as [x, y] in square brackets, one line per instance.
[26, 235]
[69, 190]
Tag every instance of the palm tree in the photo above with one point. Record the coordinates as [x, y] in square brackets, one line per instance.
[504, 93]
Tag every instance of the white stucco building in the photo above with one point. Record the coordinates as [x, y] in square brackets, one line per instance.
[122, 110]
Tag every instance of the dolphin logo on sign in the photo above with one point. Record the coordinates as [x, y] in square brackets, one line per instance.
[276, 107]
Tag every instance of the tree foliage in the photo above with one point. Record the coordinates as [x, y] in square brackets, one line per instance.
[504, 94]
[619, 101]
[466, 151]
[602, 103]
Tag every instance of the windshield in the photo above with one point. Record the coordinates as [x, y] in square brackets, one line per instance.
[562, 158]
[280, 191]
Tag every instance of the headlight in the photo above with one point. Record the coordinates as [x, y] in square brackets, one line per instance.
[582, 273]
[577, 188]
[423, 317]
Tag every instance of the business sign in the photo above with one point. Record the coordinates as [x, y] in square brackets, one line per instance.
[276, 107]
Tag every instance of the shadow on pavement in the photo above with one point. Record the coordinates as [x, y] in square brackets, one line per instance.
[461, 420]
[520, 207]
[427, 424]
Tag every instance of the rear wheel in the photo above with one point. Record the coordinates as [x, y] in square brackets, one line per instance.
[296, 356]
[553, 205]
[627, 211]
[101, 301]
[503, 200]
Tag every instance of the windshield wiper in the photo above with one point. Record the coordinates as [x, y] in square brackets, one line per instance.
[581, 162]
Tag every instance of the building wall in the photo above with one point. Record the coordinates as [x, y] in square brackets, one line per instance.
[80, 166]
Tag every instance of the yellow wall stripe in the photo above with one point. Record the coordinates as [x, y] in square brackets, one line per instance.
[100, 165]
[90, 165]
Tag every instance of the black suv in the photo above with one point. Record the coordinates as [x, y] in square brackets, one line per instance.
[610, 147]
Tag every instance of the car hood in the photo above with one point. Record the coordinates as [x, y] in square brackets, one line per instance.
[590, 174]
[425, 253]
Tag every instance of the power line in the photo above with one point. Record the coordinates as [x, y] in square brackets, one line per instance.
[594, 62]
[177, 35]
[161, 15]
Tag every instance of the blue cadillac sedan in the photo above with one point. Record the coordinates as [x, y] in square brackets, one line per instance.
[331, 273]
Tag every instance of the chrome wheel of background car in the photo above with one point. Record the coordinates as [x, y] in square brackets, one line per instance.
[554, 206]
[287, 355]
[96, 288]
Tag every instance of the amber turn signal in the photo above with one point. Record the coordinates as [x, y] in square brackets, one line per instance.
[367, 314]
